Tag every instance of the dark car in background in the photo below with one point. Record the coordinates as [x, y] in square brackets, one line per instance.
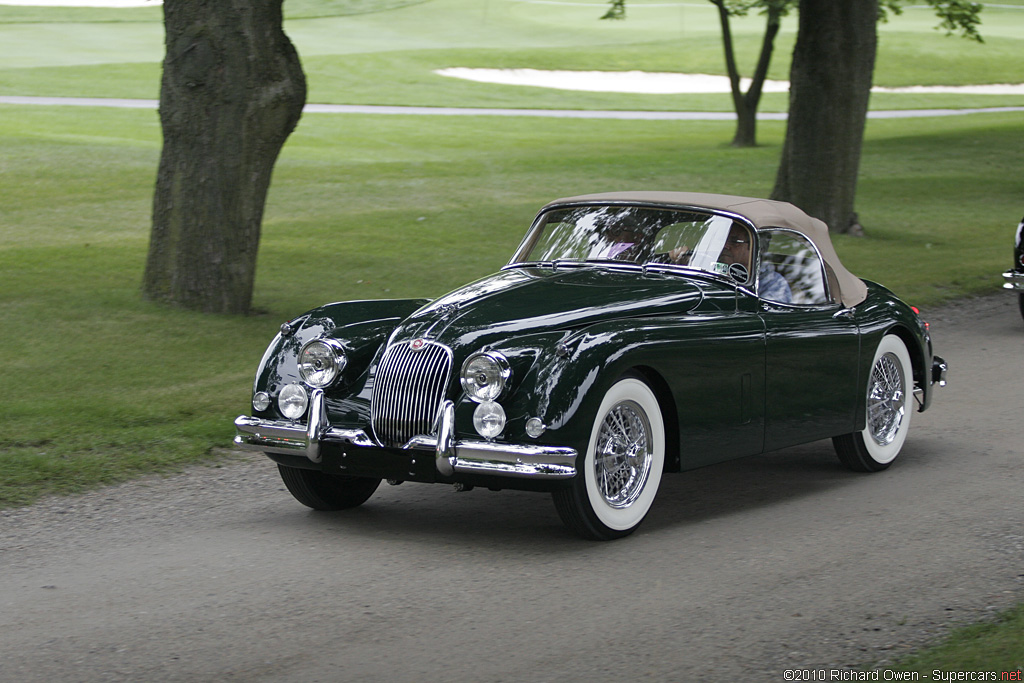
[630, 335]
[1014, 278]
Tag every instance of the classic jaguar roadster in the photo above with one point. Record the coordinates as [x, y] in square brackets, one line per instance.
[631, 335]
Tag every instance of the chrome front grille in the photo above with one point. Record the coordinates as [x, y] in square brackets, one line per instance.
[408, 388]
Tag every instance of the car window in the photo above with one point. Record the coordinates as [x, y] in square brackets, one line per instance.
[791, 271]
[641, 235]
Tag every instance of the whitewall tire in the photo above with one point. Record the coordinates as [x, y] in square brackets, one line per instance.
[620, 473]
[889, 405]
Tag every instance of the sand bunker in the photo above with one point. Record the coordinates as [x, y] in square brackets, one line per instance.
[673, 83]
[607, 81]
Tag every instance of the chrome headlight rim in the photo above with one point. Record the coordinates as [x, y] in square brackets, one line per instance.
[321, 376]
[502, 371]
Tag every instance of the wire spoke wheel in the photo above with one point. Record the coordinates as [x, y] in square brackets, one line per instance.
[623, 459]
[619, 473]
[887, 411]
[887, 399]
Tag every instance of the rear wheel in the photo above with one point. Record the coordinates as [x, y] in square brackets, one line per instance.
[322, 491]
[621, 470]
[889, 406]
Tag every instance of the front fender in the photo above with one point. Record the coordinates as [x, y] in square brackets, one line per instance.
[568, 379]
[361, 327]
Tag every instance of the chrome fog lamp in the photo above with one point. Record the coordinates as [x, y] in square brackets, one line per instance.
[484, 375]
[292, 401]
[321, 361]
[489, 419]
[260, 401]
[535, 427]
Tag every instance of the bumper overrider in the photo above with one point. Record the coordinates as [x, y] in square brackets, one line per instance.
[451, 457]
[1014, 280]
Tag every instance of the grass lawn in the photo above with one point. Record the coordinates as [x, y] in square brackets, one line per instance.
[100, 385]
[993, 647]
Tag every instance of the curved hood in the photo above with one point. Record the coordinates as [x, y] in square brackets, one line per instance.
[525, 301]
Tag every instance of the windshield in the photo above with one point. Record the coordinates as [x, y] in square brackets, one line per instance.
[642, 236]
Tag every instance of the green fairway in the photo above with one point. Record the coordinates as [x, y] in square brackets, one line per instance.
[386, 52]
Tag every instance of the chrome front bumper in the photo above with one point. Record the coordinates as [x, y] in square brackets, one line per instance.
[1014, 280]
[451, 456]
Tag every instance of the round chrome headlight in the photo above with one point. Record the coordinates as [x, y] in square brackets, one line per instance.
[260, 401]
[321, 361]
[292, 401]
[489, 419]
[484, 375]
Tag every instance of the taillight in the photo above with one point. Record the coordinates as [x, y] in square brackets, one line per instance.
[917, 312]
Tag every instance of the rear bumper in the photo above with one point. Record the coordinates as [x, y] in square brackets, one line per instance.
[450, 456]
[939, 370]
[1014, 280]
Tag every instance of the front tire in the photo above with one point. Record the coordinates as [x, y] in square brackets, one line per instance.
[1020, 303]
[889, 405]
[322, 491]
[620, 472]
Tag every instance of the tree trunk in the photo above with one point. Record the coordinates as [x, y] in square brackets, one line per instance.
[232, 91]
[746, 105]
[830, 83]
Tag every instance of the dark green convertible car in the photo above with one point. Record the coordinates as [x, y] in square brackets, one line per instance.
[631, 335]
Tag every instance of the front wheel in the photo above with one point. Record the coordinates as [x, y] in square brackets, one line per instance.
[889, 406]
[322, 491]
[1020, 303]
[621, 470]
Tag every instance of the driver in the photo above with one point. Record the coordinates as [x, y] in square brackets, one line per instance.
[770, 283]
[737, 247]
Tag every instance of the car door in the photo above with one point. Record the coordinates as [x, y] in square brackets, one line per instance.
[812, 345]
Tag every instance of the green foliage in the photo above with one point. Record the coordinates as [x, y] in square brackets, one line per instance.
[617, 10]
[955, 16]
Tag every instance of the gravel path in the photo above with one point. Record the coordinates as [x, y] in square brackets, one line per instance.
[742, 571]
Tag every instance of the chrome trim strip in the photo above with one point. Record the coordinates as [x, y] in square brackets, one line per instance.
[1014, 280]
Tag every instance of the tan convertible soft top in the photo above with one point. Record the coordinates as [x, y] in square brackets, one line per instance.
[762, 213]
